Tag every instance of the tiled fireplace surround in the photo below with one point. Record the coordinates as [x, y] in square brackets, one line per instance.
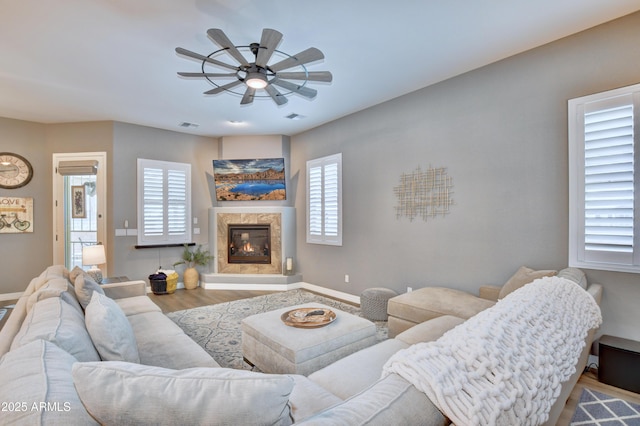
[282, 221]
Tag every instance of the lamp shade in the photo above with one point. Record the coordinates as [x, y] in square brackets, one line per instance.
[93, 255]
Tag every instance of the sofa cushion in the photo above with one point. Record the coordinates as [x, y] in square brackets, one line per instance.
[139, 394]
[309, 398]
[37, 386]
[54, 271]
[56, 321]
[110, 330]
[389, 401]
[429, 331]
[362, 369]
[522, 276]
[55, 287]
[432, 302]
[162, 343]
[137, 305]
[85, 286]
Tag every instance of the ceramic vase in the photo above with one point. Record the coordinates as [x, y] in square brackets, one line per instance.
[190, 278]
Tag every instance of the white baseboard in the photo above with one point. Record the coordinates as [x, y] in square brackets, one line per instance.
[331, 293]
[10, 296]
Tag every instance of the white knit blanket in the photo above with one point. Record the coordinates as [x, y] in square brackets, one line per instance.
[504, 366]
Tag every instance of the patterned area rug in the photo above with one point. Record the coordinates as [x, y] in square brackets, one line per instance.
[217, 327]
[595, 408]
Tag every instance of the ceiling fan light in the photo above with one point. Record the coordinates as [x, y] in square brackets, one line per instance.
[256, 80]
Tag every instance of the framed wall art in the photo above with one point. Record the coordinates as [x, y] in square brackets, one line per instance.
[16, 215]
[247, 180]
[78, 202]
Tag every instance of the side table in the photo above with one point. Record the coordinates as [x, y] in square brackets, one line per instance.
[619, 363]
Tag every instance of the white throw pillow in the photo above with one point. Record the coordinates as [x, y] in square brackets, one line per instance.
[85, 286]
[117, 393]
[110, 330]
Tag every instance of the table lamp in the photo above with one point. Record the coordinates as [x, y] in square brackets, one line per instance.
[94, 256]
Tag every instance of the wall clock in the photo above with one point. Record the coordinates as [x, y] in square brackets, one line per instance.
[15, 170]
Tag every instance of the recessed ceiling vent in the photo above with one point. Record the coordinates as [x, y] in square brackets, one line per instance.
[294, 116]
[187, 125]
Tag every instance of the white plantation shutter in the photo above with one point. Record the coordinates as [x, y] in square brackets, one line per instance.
[177, 202]
[603, 205]
[324, 200]
[164, 202]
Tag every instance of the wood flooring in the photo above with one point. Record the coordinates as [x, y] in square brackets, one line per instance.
[187, 299]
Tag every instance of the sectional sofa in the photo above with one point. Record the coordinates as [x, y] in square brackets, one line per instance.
[77, 353]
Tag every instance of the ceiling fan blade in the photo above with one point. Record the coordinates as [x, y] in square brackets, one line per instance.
[309, 76]
[268, 43]
[207, 74]
[301, 90]
[223, 41]
[195, 55]
[223, 88]
[248, 96]
[275, 95]
[306, 56]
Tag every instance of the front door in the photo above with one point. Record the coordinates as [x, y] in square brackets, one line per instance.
[79, 206]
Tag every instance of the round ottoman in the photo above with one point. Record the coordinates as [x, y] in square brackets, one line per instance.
[373, 303]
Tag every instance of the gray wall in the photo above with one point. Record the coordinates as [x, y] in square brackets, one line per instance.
[22, 253]
[501, 132]
[24, 256]
[131, 142]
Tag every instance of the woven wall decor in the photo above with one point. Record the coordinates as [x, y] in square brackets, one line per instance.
[425, 194]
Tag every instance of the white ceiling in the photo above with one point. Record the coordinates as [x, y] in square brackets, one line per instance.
[92, 60]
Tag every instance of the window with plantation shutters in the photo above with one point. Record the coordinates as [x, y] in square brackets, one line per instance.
[164, 202]
[324, 200]
[603, 154]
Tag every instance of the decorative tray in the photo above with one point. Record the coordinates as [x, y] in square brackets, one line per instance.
[308, 317]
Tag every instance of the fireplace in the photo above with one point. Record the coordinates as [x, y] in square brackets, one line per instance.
[249, 243]
[282, 230]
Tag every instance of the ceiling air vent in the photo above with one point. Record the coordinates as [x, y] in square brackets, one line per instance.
[187, 125]
[294, 116]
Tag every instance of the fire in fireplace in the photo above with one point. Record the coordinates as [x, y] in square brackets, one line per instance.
[249, 243]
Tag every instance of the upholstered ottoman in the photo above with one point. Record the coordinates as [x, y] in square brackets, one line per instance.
[274, 347]
[373, 303]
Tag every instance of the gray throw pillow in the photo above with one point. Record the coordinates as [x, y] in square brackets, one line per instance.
[85, 286]
[110, 330]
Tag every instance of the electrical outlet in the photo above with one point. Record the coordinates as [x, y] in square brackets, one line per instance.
[409, 289]
[346, 278]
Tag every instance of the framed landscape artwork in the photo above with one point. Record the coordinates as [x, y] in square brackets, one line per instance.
[250, 180]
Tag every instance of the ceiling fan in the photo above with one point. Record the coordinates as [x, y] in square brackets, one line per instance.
[256, 74]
